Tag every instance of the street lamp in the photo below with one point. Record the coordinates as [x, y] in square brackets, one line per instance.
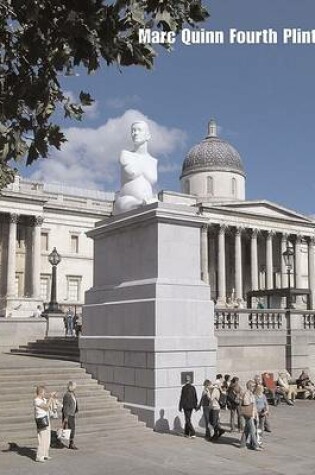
[288, 257]
[54, 259]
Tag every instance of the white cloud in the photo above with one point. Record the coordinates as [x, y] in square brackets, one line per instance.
[122, 102]
[90, 157]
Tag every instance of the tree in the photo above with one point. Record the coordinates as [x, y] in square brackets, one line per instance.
[43, 40]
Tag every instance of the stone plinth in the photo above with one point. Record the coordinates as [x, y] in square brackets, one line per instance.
[148, 317]
[55, 323]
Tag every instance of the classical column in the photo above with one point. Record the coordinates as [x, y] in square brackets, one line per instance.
[284, 271]
[36, 252]
[238, 264]
[269, 260]
[311, 270]
[13, 220]
[221, 266]
[298, 261]
[212, 235]
[204, 254]
[254, 259]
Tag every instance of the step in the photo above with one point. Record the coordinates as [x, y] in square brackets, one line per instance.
[48, 351]
[62, 376]
[85, 424]
[85, 405]
[28, 416]
[50, 356]
[81, 393]
[22, 399]
[61, 381]
[41, 366]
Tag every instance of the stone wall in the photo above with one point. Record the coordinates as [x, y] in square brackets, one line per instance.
[251, 342]
[19, 331]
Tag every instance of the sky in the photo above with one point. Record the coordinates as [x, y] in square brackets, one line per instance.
[262, 97]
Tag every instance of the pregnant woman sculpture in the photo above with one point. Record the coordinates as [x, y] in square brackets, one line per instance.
[138, 172]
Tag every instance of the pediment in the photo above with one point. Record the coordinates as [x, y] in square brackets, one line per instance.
[264, 208]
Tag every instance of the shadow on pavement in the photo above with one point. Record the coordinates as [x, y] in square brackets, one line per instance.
[23, 451]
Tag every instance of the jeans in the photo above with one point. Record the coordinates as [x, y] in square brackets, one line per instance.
[215, 420]
[189, 429]
[70, 326]
[249, 434]
[236, 411]
[206, 416]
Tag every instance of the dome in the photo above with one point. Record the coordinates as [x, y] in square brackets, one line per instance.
[212, 154]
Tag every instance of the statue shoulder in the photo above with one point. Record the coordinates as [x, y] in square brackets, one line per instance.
[125, 156]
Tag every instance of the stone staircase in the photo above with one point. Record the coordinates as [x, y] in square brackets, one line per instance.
[60, 348]
[101, 417]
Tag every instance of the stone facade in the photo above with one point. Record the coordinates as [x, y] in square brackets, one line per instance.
[34, 218]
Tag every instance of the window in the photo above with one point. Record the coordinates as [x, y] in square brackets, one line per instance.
[44, 241]
[20, 235]
[74, 244]
[45, 288]
[186, 187]
[74, 287]
[234, 189]
[210, 185]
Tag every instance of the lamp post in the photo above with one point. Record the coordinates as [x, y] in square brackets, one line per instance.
[288, 257]
[54, 259]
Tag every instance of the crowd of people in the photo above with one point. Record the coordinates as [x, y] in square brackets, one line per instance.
[45, 408]
[248, 406]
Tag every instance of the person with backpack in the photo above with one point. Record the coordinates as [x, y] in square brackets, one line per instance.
[215, 395]
[233, 404]
[205, 404]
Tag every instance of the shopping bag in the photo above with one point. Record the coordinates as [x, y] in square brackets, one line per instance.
[63, 435]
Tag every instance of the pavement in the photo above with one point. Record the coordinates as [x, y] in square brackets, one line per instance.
[289, 449]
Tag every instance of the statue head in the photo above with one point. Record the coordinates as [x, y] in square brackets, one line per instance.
[140, 132]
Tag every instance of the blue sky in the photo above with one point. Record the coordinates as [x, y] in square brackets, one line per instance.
[262, 97]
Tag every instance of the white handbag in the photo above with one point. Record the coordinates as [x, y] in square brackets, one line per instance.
[63, 435]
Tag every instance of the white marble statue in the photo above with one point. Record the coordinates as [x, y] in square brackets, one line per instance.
[138, 172]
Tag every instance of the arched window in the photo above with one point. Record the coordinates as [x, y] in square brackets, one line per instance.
[234, 187]
[210, 190]
[187, 187]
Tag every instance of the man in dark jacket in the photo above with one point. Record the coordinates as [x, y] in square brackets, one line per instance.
[188, 402]
[69, 410]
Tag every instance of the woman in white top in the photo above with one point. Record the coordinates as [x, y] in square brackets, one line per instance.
[41, 409]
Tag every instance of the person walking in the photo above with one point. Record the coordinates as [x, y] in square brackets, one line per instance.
[215, 393]
[249, 412]
[205, 404]
[41, 413]
[262, 411]
[188, 402]
[69, 410]
[233, 404]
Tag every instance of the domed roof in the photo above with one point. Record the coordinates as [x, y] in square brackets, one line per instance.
[212, 154]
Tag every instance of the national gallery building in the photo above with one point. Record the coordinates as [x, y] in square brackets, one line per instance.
[35, 218]
[244, 241]
[241, 247]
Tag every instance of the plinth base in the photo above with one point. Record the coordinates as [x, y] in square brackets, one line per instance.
[148, 320]
[55, 323]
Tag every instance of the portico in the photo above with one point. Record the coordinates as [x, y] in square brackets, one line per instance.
[20, 261]
[246, 254]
